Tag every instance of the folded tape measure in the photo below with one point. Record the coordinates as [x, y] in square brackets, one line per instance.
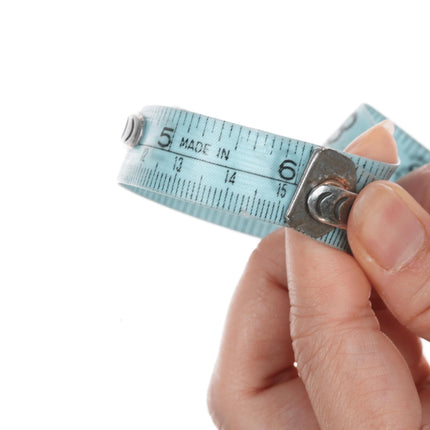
[253, 181]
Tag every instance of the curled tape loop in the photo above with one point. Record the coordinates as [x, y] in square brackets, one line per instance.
[243, 178]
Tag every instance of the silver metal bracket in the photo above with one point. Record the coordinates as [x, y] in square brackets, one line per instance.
[324, 195]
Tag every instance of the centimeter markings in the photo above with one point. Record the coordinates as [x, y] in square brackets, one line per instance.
[184, 157]
[216, 197]
[181, 154]
[180, 130]
[205, 157]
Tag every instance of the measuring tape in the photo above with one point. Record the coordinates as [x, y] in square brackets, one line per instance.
[253, 181]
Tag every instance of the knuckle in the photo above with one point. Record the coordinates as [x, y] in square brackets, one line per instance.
[318, 340]
[311, 344]
[309, 359]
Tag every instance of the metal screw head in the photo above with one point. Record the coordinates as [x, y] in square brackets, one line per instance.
[330, 204]
[133, 130]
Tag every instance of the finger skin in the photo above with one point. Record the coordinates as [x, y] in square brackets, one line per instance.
[237, 394]
[402, 278]
[255, 383]
[417, 183]
[408, 344]
[354, 375]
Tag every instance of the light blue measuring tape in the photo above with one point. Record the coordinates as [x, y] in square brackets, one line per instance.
[253, 181]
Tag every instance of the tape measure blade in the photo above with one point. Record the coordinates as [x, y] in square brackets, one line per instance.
[239, 177]
[216, 164]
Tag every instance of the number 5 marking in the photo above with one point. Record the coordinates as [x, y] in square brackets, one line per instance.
[165, 133]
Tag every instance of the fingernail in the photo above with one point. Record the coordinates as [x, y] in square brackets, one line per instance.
[388, 125]
[377, 143]
[389, 231]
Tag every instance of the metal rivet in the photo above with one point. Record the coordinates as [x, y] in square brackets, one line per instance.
[330, 204]
[133, 130]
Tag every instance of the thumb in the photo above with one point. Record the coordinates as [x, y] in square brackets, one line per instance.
[389, 234]
[354, 375]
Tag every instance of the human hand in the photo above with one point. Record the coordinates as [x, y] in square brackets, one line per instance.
[318, 339]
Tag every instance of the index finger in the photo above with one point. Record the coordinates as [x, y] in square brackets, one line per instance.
[355, 377]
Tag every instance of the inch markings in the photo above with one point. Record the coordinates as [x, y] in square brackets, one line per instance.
[250, 176]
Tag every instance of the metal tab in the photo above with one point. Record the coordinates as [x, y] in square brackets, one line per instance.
[314, 210]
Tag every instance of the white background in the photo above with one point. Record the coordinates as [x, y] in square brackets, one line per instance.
[111, 306]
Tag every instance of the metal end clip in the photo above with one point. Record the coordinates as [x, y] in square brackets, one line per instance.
[133, 130]
[324, 195]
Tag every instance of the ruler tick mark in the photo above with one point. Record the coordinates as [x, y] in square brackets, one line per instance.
[213, 197]
[203, 193]
[188, 187]
[179, 117]
[231, 130]
[277, 210]
[229, 203]
[271, 212]
[204, 129]
[220, 133]
[258, 205]
[235, 202]
[281, 215]
[152, 177]
[238, 138]
[183, 184]
[189, 125]
[253, 201]
[192, 191]
[262, 207]
[159, 182]
[173, 183]
[241, 203]
[167, 187]
[209, 193]
[155, 182]
[145, 177]
[219, 198]
[198, 189]
[256, 139]
[225, 198]
[267, 210]
[177, 186]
